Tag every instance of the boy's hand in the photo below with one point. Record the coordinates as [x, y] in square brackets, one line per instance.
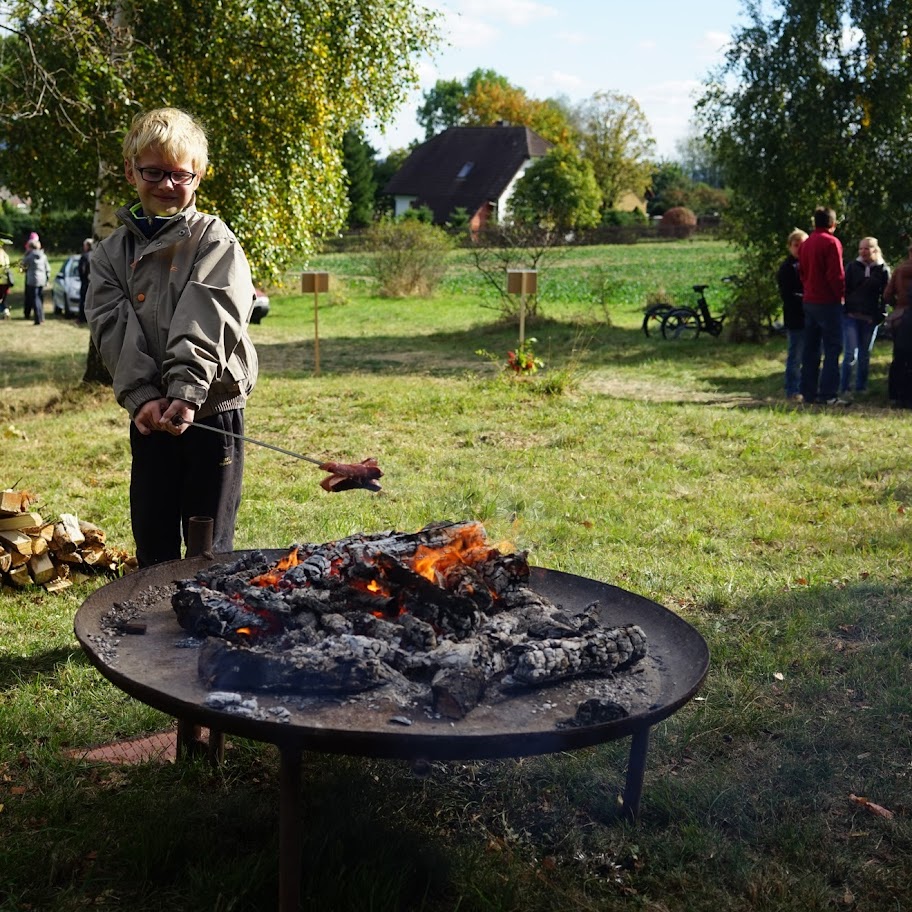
[149, 416]
[177, 417]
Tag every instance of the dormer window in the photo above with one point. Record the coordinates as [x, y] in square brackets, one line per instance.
[464, 170]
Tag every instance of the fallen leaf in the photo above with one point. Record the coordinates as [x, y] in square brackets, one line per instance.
[872, 807]
[778, 675]
[901, 509]
[801, 581]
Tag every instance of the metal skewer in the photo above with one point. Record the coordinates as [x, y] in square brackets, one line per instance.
[269, 446]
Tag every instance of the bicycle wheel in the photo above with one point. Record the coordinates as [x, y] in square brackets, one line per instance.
[681, 324]
[652, 321]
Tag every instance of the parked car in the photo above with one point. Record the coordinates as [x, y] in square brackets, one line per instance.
[260, 306]
[65, 290]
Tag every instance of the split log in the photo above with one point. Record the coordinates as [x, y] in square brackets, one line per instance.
[18, 544]
[57, 584]
[19, 576]
[21, 521]
[42, 568]
[93, 535]
[5, 560]
[67, 534]
[15, 501]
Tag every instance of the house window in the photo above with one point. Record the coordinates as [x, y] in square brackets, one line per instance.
[464, 170]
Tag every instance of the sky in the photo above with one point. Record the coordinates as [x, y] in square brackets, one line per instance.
[657, 51]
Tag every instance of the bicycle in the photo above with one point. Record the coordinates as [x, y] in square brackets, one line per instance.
[655, 313]
[688, 322]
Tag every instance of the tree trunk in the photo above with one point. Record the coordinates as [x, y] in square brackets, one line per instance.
[95, 371]
[104, 222]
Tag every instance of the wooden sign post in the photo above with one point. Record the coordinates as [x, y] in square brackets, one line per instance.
[522, 282]
[314, 283]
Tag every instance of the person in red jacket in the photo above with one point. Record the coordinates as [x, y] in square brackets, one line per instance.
[823, 280]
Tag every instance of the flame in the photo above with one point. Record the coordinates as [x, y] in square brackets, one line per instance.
[244, 631]
[273, 576]
[469, 547]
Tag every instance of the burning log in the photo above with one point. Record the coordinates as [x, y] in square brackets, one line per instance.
[440, 609]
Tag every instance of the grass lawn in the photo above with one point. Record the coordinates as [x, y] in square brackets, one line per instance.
[674, 470]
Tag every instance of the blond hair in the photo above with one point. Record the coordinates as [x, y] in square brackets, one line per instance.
[174, 132]
[796, 235]
[876, 255]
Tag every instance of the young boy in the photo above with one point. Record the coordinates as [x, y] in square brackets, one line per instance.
[168, 306]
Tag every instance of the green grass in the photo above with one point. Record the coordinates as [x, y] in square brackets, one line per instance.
[673, 470]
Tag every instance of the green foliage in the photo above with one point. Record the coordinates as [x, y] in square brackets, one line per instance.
[755, 301]
[459, 219]
[622, 218]
[422, 213]
[812, 106]
[614, 137]
[384, 169]
[409, 256]
[672, 186]
[277, 85]
[557, 191]
[361, 187]
[486, 97]
[442, 107]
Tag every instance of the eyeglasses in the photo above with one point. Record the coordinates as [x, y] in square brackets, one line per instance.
[157, 175]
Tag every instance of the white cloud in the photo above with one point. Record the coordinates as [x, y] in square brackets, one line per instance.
[713, 43]
[574, 37]
[564, 82]
[513, 12]
[672, 92]
[466, 32]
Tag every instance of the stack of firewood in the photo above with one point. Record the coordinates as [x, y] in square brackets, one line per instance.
[51, 553]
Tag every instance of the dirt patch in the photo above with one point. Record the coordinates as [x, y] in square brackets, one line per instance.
[655, 391]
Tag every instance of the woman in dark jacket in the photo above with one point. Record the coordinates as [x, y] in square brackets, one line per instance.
[791, 292]
[864, 311]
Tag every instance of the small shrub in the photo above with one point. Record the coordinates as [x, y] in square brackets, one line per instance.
[754, 304]
[601, 286]
[409, 257]
[622, 218]
[679, 222]
[419, 214]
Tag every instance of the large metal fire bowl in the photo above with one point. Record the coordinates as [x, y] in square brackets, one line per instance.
[151, 668]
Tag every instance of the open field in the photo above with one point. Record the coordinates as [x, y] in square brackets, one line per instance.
[673, 470]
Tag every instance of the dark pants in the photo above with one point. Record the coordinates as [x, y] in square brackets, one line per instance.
[34, 303]
[174, 478]
[899, 380]
[822, 334]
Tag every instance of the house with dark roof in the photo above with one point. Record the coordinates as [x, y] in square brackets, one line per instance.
[473, 168]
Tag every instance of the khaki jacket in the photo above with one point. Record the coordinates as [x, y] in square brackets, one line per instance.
[169, 315]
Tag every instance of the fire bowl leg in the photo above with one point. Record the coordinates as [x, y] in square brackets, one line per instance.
[289, 830]
[636, 770]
